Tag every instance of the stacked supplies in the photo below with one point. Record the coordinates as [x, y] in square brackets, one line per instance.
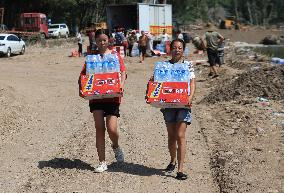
[170, 86]
[102, 79]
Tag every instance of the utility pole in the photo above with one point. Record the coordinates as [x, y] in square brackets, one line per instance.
[1, 15]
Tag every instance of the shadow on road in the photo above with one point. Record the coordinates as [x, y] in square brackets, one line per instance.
[134, 169]
[130, 168]
[65, 163]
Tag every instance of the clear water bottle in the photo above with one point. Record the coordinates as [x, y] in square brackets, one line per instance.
[105, 65]
[110, 63]
[90, 64]
[99, 69]
[116, 62]
[186, 52]
[281, 61]
[105, 62]
[162, 72]
[180, 72]
[275, 60]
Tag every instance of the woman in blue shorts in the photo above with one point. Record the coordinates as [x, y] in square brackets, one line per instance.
[177, 119]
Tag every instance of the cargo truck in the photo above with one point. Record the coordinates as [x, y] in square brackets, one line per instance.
[29, 25]
[153, 18]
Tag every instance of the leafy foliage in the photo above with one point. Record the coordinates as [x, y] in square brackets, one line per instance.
[83, 12]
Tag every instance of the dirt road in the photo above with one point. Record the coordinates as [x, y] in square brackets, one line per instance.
[47, 135]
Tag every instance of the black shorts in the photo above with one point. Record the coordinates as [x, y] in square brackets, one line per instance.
[142, 49]
[108, 108]
[213, 57]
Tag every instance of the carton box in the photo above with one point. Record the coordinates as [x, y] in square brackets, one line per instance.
[98, 86]
[167, 94]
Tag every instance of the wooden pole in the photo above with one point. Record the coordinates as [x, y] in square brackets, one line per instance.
[1, 15]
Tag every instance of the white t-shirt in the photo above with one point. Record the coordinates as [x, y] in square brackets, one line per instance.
[165, 37]
[79, 38]
[180, 36]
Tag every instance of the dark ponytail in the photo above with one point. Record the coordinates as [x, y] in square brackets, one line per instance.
[100, 32]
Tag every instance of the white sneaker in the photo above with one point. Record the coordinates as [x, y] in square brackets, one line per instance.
[118, 154]
[101, 167]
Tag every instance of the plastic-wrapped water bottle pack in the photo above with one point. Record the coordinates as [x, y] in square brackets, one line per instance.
[167, 72]
[276, 61]
[95, 64]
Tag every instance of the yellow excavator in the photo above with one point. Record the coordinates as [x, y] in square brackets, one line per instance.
[229, 23]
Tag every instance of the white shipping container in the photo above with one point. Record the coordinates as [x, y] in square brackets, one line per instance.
[153, 18]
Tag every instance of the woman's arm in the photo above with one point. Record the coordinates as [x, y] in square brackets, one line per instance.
[192, 91]
[123, 78]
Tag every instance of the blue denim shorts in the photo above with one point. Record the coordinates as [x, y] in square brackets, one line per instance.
[177, 115]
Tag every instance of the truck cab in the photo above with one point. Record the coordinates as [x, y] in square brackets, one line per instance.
[34, 22]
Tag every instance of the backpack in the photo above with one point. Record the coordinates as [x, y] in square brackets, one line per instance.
[118, 39]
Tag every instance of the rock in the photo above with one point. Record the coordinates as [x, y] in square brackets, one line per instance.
[270, 40]
[259, 130]
[230, 131]
[229, 153]
[273, 191]
[235, 127]
[236, 160]
[221, 161]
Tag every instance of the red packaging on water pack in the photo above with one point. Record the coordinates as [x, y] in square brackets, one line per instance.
[167, 94]
[98, 86]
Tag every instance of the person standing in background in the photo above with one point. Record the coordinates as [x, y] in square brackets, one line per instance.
[150, 43]
[92, 42]
[179, 35]
[80, 42]
[132, 39]
[165, 37]
[142, 45]
[166, 41]
[213, 39]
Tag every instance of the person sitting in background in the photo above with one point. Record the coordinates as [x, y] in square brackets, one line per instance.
[198, 43]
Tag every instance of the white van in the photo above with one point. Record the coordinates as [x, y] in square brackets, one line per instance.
[58, 30]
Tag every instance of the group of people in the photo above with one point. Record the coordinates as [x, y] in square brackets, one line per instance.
[127, 39]
[106, 112]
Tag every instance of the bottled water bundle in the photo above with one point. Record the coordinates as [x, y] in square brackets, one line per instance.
[162, 72]
[160, 47]
[180, 73]
[95, 64]
[275, 60]
[167, 72]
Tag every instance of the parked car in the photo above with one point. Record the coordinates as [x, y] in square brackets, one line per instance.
[58, 30]
[11, 44]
